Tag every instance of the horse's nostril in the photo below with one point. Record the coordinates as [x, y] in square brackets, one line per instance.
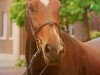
[47, 49]
[61, 52]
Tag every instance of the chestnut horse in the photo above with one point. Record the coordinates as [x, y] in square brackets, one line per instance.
[62, 54]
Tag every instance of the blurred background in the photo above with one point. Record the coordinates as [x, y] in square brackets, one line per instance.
[80, 19]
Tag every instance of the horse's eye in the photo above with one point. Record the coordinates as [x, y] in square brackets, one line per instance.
[31, 9]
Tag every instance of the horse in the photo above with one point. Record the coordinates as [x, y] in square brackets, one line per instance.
[61, 53]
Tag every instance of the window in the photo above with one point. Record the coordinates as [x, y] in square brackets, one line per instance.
[4, 26]
[1, 26]
[11, 30]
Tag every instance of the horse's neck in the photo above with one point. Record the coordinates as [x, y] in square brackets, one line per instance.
[76, 55]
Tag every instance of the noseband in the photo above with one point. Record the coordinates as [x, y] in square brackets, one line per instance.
[35, 30]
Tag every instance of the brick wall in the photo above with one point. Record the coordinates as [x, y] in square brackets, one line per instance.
[22, 40]
[6, 45]
[1, 22]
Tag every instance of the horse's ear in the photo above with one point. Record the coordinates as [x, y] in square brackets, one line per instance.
[60, 0]
[32, 2]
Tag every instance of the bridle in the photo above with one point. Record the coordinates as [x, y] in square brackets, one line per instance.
[34, 31]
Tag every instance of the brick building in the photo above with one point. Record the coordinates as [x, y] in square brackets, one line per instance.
[12, 38]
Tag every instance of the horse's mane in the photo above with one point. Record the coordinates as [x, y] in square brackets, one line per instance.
[81, 60]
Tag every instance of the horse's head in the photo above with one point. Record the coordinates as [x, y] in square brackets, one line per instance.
[45, 14]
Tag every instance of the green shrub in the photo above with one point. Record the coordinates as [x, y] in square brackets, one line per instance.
[94, 34]
[21, 63]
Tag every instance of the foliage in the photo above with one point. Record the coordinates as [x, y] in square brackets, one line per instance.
[73, 10]
[17, 11]
[94, 34]
[21, 63]
[96, 6]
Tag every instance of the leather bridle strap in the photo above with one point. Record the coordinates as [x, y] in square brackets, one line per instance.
[44, 24]
[34, 29]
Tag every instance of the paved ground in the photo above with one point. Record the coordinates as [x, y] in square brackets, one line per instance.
[7, 66]
[12, 71]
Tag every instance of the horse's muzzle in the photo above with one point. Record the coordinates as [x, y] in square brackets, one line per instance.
[53, 55]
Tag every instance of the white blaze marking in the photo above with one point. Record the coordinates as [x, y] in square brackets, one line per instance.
[56, 34]
[45, 2]
[59, 47]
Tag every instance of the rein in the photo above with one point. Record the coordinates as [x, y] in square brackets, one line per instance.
[32, 59]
